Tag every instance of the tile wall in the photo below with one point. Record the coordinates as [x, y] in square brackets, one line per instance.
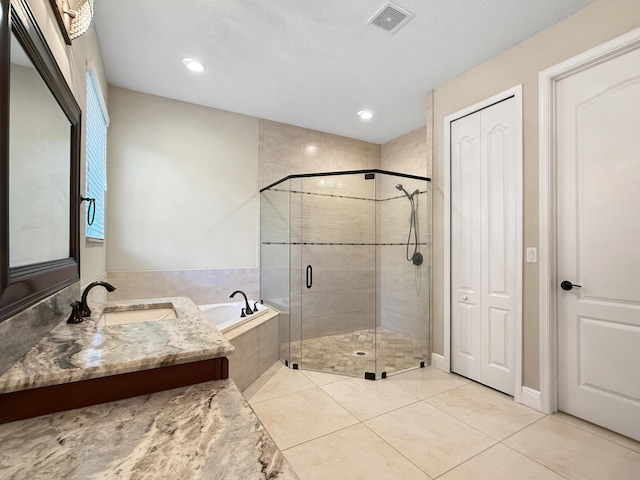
[400, 282]
[342, 298]
[286, 149]
[204, 286]
[256, 349]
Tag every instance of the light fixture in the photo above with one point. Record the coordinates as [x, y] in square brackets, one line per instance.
[194, 65]
[74, 17]
[365, 115]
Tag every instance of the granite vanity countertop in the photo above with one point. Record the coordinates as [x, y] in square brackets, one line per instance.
[204, 431]
[86, 350]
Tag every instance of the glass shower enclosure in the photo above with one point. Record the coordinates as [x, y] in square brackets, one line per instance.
[345, 259]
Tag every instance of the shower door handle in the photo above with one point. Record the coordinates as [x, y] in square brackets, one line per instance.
[309, 276]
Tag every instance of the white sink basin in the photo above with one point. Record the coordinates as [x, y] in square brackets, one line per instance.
[122, 317]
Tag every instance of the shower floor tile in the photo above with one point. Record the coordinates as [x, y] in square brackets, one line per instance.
[354, 353]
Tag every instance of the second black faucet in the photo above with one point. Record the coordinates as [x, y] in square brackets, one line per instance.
[247, 308]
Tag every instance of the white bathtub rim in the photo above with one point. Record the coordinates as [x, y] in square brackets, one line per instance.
[229, 325]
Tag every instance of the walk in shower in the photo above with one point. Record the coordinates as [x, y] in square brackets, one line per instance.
[345, 258]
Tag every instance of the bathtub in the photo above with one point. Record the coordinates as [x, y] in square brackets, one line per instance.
[226, 316]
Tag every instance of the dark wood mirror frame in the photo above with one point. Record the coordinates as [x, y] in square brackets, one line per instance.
[24, 286]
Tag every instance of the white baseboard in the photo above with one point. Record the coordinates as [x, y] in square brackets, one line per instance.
[531, 398]
[437, 361]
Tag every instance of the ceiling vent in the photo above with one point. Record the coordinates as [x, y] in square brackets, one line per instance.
[391, 17]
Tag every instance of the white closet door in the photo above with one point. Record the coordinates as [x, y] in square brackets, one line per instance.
[466, 276]
[498, 245]
[598, 184]
[484, 250]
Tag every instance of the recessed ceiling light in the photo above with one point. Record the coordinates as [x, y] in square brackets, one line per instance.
[194, 65]
[365, 115]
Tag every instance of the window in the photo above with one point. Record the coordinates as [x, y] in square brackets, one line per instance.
[96, 138]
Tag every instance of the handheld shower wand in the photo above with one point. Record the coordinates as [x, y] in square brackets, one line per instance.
[416, 257]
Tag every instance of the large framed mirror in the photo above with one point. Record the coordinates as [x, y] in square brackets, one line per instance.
[40, 123]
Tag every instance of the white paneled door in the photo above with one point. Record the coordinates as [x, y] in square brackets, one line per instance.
[598, 235]
[485, 213]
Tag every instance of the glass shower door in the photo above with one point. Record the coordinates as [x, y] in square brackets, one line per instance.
[337, 274]
[275, 261]
[404, 237]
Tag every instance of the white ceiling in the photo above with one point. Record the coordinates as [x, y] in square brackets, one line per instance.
[312, 63]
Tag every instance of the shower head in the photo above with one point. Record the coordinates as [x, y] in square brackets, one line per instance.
[401, 188]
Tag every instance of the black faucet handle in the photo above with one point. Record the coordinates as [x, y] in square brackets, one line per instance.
[243, 314]
[76, 316]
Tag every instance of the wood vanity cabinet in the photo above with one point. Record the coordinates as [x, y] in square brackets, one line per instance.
[56, 398]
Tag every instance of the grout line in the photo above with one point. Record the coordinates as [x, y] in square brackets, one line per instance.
[525, 427]
[425, 400]
[460, 420]
[596, 433]
[468, 459]
[398, 451]
[523, 453]
[533, 459]
[282, 395]
[320, 436]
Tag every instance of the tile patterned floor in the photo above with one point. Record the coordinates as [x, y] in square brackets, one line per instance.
[384, 351]
[425, 424]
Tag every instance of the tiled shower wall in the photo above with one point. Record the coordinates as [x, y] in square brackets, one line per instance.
[346, 284]
[343, 294]
[286, 149]
[404, 289]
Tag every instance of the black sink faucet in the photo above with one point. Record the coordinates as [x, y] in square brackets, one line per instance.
[247, 308]
[85, 311]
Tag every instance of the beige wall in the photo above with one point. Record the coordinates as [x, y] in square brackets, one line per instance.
[182, 185]
[595, 24]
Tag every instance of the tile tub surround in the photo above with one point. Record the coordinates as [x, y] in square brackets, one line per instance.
[203, 286]
[202, 431]
[71, 353]
[256, 348]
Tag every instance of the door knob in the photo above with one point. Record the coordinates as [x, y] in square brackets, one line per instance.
[567, 285]
[464, 297]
